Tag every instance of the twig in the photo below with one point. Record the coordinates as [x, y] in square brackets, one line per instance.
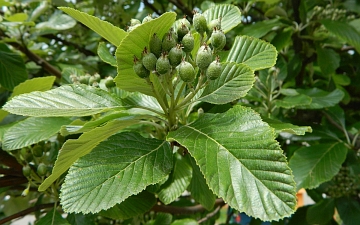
[209, 215]
[152, 7]
[184, 210]
[182, 7]
[78, 47]
[26, 211]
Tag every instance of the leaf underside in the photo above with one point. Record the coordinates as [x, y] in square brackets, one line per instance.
[241, 162]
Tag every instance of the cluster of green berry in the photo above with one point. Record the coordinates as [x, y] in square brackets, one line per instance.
[34, 156]
[172, 53]
[92, 80]
[343, 184]
[331, 13]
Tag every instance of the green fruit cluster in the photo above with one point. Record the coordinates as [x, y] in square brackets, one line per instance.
[172, 52]
[34, 158]
[92, 80]
[343, 184]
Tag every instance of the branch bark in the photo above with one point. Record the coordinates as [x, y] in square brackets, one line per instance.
[182, 7]
[152, 7]
[25, 212]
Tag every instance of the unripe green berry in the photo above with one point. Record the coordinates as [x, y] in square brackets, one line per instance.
[134, 22]
[83, 80]
[109, 82]
[139, 69]
[214, 70]
[26, 154]
[147, 19]
[182, 30]
[149, 60]
[204, 57]
[97, 77]
[186, 71]
[185, 21]
[188, 42]
[26, 170]
[163, 64]
[199, 22]
[168, 42]
[155, 45]
[216, 23]
[175, 55]
[41, 169]
[218, 39]
[37, 150]
[92, 80]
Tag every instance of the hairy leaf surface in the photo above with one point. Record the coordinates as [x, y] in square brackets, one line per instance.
[117, 168]
[253, 52]
[241, 161]
[230, 16]
[31, 131]
[280, 126]
[234, 82]
[67, 100]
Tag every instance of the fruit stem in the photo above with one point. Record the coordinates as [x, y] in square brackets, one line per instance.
[189, 97]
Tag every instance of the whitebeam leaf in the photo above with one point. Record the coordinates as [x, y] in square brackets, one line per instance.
[234, 82]
[67, 100]
[230, 16]
[119, 167]
[253, 52]
[241, 162]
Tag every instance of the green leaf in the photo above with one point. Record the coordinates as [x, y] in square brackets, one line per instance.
[67, 100]
[131, 207]
[316, 164]
[321, 99]
[81, 219]
[343, 31]
[260, 29]
[341, 79]
[52, 217]
[76, 148]
[349, 210]
[138, 103]
[253, 52]
[163, 219]
[35, 84]
[230, 16]
[234, 82]
[12, 70]
[133, 44]
[178, 180]
[287, 127]
[105, 55]
[105, 29]
[96, 181]
[185, 222]
[57, 21]
[328, 60]
[283, 38]
[31, 131]
[241, 161]
[17, 17]
[199, 189]
[293, 101]
[322, 212]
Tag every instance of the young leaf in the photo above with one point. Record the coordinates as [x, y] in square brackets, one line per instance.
[35, 84]
[287, 127]
[105, 55]
[199, 189]
[131, 207]
[67, 100]
[57, 21]
[133, 44]
[230, 16]
[293, 101]
[31, 131]
[241, 162]
[261, 28]
[308, 164]
[234, 82]
[97, 182]
[105, 29]
[178, 181]
[76, 148]
[253, 52]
